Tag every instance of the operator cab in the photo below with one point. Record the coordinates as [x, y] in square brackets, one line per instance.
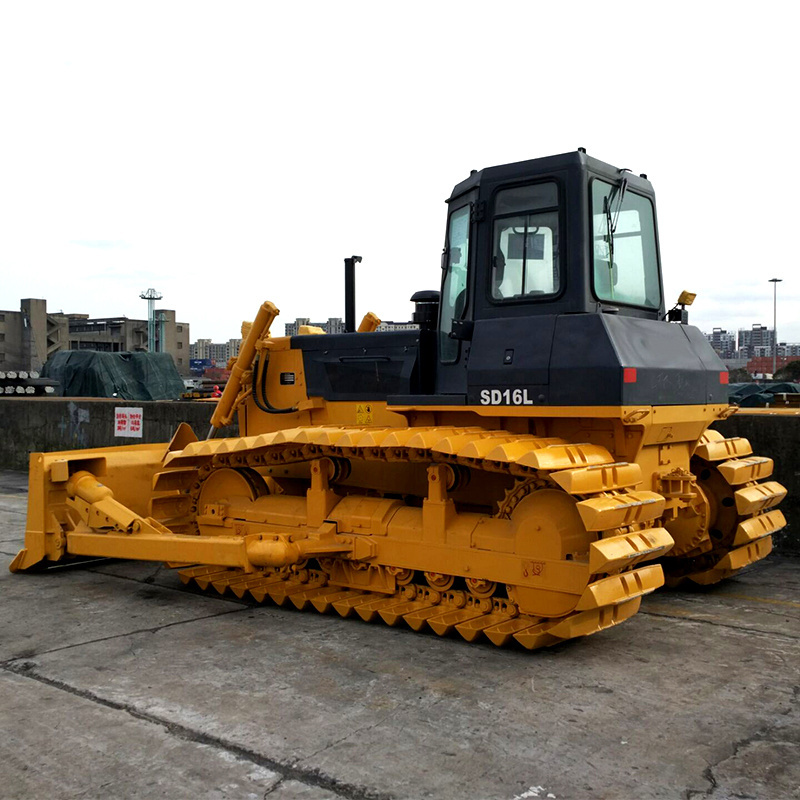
[552, 287]
[564, 234]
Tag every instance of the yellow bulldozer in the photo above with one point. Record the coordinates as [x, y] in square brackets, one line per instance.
[525, 464]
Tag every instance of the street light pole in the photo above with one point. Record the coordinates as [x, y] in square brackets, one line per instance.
[775, 282]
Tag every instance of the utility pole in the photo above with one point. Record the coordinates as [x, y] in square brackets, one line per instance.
[775, 282]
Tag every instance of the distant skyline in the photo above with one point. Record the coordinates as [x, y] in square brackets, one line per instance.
[226, 155]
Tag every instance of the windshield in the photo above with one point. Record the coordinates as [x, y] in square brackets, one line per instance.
[625, 268]
[454, 287]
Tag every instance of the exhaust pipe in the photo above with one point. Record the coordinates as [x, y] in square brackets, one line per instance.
[350, 293]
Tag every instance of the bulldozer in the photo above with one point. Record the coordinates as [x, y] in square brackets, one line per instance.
[523, 465]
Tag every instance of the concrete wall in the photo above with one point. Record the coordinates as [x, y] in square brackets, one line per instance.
[60, 423]
[778, 437]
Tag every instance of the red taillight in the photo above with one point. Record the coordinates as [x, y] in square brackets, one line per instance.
[724, 377]
[629, 375]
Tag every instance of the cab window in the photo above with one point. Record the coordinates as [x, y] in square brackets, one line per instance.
[625, 260]
[525, 263]
[454, 286]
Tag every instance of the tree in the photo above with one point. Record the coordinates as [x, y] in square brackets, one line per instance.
[791, 372]
[739, 375]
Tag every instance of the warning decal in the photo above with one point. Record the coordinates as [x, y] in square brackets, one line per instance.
[364, 414]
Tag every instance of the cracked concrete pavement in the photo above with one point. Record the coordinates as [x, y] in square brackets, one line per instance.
[118, 681]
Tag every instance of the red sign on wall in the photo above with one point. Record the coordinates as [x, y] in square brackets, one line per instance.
[128, 422]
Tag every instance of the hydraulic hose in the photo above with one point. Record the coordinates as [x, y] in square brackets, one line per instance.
[262, 403]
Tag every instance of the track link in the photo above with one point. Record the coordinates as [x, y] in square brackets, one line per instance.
[420, 607]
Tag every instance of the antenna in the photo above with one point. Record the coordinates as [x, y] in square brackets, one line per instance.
[151, 295]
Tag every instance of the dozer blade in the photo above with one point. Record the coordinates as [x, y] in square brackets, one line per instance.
[130, 469]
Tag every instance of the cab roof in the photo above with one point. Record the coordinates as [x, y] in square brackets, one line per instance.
[520, 170]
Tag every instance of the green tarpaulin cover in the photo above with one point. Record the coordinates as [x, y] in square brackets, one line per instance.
[129, 376]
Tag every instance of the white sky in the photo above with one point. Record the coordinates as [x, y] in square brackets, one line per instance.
[233, 152]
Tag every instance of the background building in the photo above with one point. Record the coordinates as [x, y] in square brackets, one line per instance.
[723, 342]
[336, 325]
[28, 337]
[217, 354]
[757, 336]
[333, 325]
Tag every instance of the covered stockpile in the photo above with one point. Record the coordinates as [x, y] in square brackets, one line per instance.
[128, 376]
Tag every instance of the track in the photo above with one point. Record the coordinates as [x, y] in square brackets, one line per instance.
[741, 511]
[609, 526]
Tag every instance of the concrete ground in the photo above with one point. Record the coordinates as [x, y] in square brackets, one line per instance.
[119, 682]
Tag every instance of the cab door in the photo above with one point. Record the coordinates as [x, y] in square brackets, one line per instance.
[453, 341]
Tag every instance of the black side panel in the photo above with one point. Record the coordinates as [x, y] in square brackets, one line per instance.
[584, 367]
[511, 353]
[668, 369]
[666, 364]
[366, 366]
[715, 391]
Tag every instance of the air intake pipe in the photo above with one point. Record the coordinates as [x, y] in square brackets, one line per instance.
[426, 309]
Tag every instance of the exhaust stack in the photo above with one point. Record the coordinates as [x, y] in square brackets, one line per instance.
[350, 293]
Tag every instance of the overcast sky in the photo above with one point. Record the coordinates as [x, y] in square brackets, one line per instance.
[234, 152]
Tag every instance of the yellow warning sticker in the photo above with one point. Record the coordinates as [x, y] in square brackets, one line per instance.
[364, 414]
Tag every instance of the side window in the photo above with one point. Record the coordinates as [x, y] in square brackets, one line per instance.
[625, 258]
[525, 243]
[454, 287]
